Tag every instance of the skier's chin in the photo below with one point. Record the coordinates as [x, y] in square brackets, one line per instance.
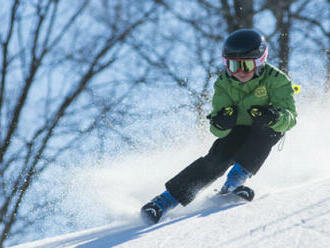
[243, 76]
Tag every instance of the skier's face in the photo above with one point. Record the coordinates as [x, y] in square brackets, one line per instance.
[244, 76]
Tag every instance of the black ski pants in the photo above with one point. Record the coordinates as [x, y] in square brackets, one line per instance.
[247, 145]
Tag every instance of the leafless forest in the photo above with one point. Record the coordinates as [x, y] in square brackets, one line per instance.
[72, 73]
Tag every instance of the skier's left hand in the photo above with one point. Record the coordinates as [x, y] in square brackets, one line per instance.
[264, 115]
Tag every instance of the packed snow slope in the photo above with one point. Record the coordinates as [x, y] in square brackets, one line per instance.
[295, 217]
[291, 208]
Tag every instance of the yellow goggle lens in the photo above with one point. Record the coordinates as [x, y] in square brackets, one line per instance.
[244, 65]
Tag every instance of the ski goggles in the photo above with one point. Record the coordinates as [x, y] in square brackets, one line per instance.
[244, 65]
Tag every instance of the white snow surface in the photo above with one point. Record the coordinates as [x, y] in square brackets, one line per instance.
[291, 208]
[295, 217]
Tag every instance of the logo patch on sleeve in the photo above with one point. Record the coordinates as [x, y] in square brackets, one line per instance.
[260, 91]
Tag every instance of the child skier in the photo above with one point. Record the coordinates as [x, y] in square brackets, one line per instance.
[253, 106]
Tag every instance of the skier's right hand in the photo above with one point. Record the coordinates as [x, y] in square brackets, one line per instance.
[225, 119]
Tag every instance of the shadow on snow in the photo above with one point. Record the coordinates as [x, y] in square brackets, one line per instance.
[112, 237]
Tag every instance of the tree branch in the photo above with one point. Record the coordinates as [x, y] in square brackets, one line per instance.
[4, 66]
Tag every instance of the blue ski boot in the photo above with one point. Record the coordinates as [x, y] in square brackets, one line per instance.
[154, 210]
[235, 178]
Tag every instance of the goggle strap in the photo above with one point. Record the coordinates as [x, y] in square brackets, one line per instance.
[263, 58]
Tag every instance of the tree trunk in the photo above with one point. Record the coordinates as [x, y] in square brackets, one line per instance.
[284, 24]
[244, 13]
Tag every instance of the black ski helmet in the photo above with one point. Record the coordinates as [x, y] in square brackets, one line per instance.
[245, 44]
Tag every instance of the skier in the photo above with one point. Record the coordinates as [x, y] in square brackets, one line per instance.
[253, 106]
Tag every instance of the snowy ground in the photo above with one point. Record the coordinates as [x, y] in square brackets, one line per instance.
[291, 208]
[295, 217]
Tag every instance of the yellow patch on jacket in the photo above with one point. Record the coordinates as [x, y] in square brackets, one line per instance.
[260, 91]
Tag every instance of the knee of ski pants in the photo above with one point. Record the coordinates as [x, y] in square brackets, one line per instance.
[257, 148]
[221, 151]
[186, 184]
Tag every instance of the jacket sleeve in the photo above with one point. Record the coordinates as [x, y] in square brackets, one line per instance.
[220, 99]
[282, 98]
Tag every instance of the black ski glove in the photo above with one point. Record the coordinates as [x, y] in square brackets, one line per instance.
[264, 116]
[225, 119]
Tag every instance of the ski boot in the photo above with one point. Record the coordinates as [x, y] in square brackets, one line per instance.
[157, 207]
[234, 183]
[244, 192]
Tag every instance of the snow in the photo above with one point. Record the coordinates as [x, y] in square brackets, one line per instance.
[295, 217]
[291, 208]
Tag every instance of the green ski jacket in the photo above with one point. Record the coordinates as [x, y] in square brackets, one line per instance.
[272, 87]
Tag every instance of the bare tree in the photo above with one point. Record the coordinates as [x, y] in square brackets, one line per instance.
[206, 24]
[308, 22]
[53, 56]
[211, 20]
[282, 14]
[67, 71]
[293, 19]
